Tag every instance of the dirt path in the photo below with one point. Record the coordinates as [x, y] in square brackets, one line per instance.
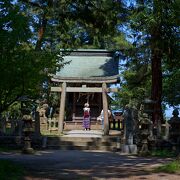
[60, 165]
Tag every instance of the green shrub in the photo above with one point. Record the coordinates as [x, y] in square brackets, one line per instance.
[8, 149]
[171, 167]
[162, 153]
[10, 171]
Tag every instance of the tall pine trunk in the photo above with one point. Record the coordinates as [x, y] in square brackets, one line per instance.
[156, 68]
[156, 92]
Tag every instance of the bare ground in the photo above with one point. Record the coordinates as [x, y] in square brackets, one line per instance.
[82, 165]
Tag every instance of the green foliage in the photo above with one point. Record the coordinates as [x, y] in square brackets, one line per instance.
[147, 18]
[157, 27]
[88, 24]
[172, 167]
[10, 170]
[120, 42]
[22, 69]
[171, 86]
[78, 24]
[135, 85]
[8, 149]
[171, 75]
[49, 25]
[162, 153]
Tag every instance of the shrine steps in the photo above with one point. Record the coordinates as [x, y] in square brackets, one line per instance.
[83, 143]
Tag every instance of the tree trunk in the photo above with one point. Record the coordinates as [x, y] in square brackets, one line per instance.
[156, 92]
[41, 31]
[156, 68]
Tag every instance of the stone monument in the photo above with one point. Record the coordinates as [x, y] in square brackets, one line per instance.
[129, 131]
[174, 132]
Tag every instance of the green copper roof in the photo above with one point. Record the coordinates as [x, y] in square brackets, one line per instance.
[89, 63]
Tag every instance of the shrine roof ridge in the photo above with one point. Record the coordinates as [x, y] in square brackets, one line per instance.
[88, 52]
[107, 79]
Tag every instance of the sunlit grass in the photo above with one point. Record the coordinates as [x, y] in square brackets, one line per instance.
[162, 153]
[10, 170]
[172, 167]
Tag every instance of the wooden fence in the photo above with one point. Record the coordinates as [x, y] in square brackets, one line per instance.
[116, 123]
[11, 126]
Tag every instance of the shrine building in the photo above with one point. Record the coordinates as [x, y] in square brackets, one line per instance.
[85, 78]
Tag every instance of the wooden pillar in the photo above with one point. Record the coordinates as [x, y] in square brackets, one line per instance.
[105, 109]
[37, 124]
[99, 102]
[62, 108]
[74, 106]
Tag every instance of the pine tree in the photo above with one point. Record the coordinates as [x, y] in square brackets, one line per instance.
[154, 28]
[69, 24]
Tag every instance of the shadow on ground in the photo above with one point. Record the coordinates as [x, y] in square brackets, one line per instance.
[74, 164]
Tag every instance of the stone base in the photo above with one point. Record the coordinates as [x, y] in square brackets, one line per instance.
[129, 149]
[144, 153]
[28, 151]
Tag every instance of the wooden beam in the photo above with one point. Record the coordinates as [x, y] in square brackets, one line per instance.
[77, 89]
[56, 89]
[84, 89]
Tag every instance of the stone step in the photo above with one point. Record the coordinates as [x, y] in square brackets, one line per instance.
[57, 139]
[72, 147]
[83, 143]
[80, 143]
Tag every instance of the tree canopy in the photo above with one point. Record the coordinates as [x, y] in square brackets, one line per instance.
[21, 68]
[151, 66]
[145, 32]
[33, 31]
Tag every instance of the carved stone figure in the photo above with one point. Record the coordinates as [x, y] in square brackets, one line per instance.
[129, 131]
[174, 132]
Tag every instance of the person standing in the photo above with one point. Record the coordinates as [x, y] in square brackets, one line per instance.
[102, 117]
[86, 117]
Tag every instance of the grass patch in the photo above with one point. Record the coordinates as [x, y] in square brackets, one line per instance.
[8, 149]
[10, 170]
[172, 167]
[162, 153]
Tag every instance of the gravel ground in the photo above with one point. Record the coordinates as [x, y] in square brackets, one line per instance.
[95, 165]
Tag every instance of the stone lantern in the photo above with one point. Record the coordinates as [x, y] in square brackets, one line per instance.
[27, 127]
[27, 130]
[145, 132]
[148, 108]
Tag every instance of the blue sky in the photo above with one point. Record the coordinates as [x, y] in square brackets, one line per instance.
[169, 111]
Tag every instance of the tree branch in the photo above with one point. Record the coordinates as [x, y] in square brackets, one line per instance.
[41, 31]
[35, 4]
